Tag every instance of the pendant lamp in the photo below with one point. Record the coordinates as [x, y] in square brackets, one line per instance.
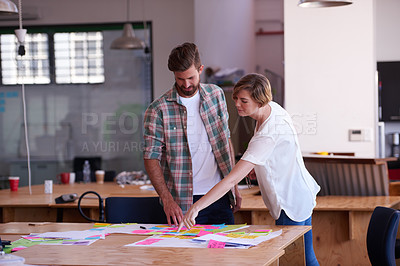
[128, 40]
[7, 7]
[324, 3]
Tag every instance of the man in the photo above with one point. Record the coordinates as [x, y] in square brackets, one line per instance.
[187, 142]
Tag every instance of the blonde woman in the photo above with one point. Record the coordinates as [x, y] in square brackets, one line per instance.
[287, 188]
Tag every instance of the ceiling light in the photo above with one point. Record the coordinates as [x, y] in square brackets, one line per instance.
[128, 40]
[7, 7]
[324, 3]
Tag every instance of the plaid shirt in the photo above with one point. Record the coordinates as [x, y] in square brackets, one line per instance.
[165, 138]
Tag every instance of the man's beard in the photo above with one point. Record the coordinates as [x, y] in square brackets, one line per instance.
[188, 93]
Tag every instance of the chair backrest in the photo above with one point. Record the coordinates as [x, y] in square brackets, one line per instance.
[381, 236]
[147, 210]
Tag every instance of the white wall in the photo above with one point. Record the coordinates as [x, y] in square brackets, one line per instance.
[387, 30]
[224, 33]
[329, 70]
[172, 23]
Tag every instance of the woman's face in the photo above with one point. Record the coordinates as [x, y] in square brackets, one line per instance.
[245, 104]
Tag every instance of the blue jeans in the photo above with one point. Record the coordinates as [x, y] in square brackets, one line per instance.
[219, 212]
[311, 260]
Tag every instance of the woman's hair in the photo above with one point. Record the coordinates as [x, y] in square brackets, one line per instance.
[258, 86]
[183, 57]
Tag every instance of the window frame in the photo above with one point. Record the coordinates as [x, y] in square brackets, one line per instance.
[52, 29]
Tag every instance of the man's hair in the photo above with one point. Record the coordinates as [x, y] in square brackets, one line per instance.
[258, 86]
[183, 57]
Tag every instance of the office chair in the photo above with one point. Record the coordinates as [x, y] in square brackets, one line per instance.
[381, 236]
[147, 210]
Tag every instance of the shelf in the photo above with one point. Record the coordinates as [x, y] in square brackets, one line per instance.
[261, 32]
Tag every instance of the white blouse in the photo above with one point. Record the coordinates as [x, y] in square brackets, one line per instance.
[284, 181]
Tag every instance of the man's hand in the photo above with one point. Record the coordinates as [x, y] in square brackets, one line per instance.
[238, 200]
[172, 210]
[190, 218]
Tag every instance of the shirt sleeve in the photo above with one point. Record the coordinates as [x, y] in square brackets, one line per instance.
[154, 141]
[259, 149]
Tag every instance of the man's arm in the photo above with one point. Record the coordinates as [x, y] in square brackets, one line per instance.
[171, 208]
[238, 197]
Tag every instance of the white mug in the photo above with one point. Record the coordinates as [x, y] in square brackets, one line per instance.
[71, 177]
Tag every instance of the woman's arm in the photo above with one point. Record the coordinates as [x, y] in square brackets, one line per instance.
[241, 169]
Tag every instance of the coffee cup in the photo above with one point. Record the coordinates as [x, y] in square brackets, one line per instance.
[100, 176]
[63, 178]
[14, 182]
[71, 177]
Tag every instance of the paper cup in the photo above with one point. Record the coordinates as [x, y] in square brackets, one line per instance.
[100, 176]
[14, 182]
[71, 177]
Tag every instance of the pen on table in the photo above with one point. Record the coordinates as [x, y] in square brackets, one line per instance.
[142, 227]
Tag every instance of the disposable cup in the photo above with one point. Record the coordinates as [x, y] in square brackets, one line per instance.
[100, 176]
[14, 182]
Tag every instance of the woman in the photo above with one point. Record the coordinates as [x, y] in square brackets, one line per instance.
[287, 188]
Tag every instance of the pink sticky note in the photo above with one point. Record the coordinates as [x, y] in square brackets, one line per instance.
[142, 231]
[18, 248]
[148, 241]
[215, 244]
[202, 233]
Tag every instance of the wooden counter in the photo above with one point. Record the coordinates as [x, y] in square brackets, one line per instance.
[112, 251]
[349, 175]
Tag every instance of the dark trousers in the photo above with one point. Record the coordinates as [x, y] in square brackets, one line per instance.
[219, 212]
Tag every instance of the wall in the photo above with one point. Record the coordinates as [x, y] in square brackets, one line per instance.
[330, 75]
[224, 32]
[172, 23]
[387, 48]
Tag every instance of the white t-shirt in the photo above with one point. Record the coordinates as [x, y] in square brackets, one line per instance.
[206, 173]
[284, 181]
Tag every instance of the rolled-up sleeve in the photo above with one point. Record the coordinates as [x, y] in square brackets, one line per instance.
[154, 140]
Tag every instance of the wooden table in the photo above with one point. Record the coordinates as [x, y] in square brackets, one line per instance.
[111, 251]
[36, 207]
[339, 224]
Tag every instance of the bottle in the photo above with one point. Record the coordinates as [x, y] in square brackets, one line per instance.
[86, 172]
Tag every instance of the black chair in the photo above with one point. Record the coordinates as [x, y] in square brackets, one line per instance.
[381, 236]
[147, 210]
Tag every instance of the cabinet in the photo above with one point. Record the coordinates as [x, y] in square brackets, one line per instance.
[389, 91]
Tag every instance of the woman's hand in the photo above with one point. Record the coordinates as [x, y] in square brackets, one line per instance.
[189, 219]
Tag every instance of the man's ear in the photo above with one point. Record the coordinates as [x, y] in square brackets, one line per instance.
[201, 69]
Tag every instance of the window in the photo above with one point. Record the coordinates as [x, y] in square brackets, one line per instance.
[77, 57]
[33, 67]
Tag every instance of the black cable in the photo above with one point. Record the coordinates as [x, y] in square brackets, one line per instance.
[101, 207]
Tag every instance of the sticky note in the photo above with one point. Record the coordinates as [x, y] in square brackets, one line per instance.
[148, 241]
[215, 244]
[142, 231]
[202, 233]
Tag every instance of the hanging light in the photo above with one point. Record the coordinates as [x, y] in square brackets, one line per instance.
[128, 40]
[7, 7]
[324, 3]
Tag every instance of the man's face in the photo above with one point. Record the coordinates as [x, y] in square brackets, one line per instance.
[188, 82]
